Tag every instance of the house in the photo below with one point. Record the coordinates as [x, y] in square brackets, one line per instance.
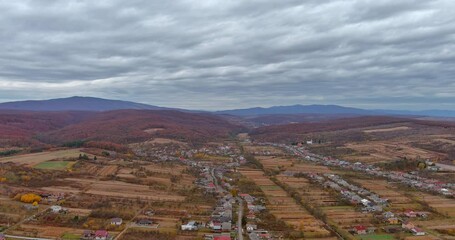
[149, 212]
[251, 216]
[56, 208]
[30, 207]
[251, 227]
[417, 232]
[410, 214]
[116, 221]
[393, 220]
[190, 226]
[407, 225]
[144, 222]
[216, 226]
[360, 229]
[101, 235]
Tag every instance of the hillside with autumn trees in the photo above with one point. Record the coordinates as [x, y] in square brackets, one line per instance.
[120, 126]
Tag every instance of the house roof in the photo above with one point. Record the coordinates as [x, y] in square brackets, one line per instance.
[222, 238]
[101, 233]
[360, 228]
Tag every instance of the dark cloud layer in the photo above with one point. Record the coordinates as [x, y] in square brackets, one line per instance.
[217, 54]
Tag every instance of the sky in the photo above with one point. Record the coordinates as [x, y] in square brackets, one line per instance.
[221, 54]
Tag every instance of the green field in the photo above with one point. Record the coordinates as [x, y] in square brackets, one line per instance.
[375, 237]
[55, 165]
[70, 236]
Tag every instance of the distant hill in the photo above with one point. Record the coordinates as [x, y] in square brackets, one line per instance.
[333, 110]
[297, 109]
[21, 128]
[76, 104]
[335, 128]
[131, 126]
[276, 114]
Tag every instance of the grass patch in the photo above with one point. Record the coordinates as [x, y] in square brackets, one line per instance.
[70, 236]
[375, 237]
[55, 165]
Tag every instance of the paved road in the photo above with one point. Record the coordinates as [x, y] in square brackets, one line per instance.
[215, 181]
[239, 220]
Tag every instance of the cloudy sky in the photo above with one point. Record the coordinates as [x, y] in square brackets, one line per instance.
[221, 54]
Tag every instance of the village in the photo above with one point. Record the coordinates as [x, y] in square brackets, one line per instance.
[238, 190]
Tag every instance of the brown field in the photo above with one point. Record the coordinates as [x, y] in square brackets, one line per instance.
[44, 231]
[399, 201]
[445, 206]
[165, 141]
[128, 190]
[312, 193]
[274, 163]
[272, 150]
[302, 166]
[372, 152]
[392, 129]
[166, 169]
[33, 159]
[285, 207]
[108, 170]
[347, 216]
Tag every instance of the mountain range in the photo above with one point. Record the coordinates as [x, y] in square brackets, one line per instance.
[100, 105]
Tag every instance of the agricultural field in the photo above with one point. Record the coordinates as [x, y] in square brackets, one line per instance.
[399, 201]
[94, 191]
[284, 207]
[55, 165]
[312, 194]
[444, 206]
[378, 151]
[264, 150]
[34, 159]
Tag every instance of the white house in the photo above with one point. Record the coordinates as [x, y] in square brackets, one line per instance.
[56, 208]
[190, 226]
[417, 232]
[116, 221]
[251, 227]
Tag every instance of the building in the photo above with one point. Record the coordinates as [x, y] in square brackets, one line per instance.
[56, 208]
[251, 227]
[144, 222]
[190, 226]
[393, 220]
[360, 230]
[417, 232]
[101, 235]
[116, 221]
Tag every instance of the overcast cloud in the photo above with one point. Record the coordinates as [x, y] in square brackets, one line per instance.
[219, 54]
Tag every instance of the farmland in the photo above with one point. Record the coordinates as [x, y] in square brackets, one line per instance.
[285, 207]
[37, 158]
[326, 184]
[54, 165]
